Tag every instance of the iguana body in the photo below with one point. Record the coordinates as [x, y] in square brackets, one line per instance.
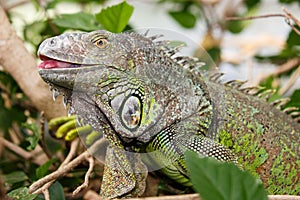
[146, 100]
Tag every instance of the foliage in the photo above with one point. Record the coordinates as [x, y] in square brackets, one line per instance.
[115, 18]
[78, 21]
[21, 194]
[19, 119]
[11, 96]
[216, 180]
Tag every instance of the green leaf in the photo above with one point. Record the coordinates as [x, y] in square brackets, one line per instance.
[44, 169]
[33, 139]
[215, 180]
[184, 18]
[21, 194]
[10, 111]
[295, 99]
[251, 3]
[32, 32]
[81, 21]
[268, 82]
[115, 18]
[15, 177]
[293, 39]
[56, 191]
[236, 26]
[289, 1]
[215, 53]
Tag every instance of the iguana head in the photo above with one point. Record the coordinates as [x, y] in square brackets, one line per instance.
[136, 83]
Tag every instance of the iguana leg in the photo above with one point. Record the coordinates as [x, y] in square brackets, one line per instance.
[124, 174]
[166, 151]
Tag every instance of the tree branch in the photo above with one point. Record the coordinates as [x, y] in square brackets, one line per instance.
[45, 182]
[288, 16]
[281, 69]
[254, 17]
[34, 188]
[37, 155]
[70, 155]
[290, 82]
[85, 184]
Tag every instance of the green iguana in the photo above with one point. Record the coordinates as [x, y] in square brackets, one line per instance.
[147, 100]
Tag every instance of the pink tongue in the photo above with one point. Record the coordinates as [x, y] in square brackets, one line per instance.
[48, 64]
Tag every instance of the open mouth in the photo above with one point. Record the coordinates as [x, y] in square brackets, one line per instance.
[56, 89]
[49, 63]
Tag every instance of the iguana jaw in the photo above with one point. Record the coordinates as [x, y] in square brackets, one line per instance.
[61, 76]
[61, 72]
[58, 73]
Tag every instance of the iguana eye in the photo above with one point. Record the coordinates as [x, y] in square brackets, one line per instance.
[101, 43]
[131, 112]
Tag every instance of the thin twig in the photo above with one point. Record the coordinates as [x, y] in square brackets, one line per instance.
[288, 16]
[14, 134]
[70, 155]
[254, 17]
[46, 194]
[37, 156]
[291, 81]
[292, 17]
[91, 161]
[56, 174]
[16, 149]
[38, 186]
[281, 69]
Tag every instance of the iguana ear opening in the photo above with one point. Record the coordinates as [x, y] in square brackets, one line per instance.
[131, 112]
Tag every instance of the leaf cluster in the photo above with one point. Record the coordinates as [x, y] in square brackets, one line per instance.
[113, 18]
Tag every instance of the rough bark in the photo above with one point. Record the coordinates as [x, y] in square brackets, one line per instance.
[22, 65]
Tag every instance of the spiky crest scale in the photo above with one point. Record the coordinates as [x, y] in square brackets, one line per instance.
[266, 94]
[290, 109]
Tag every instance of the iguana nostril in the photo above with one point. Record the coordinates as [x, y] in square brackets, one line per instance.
[53, 42]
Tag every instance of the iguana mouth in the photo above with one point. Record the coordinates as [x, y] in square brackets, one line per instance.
[50, 63]
[56, 88]
[61, 76]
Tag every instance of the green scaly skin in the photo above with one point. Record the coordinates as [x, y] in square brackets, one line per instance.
[144, 99]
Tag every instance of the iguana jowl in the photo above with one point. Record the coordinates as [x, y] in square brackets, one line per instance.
[144, 98]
